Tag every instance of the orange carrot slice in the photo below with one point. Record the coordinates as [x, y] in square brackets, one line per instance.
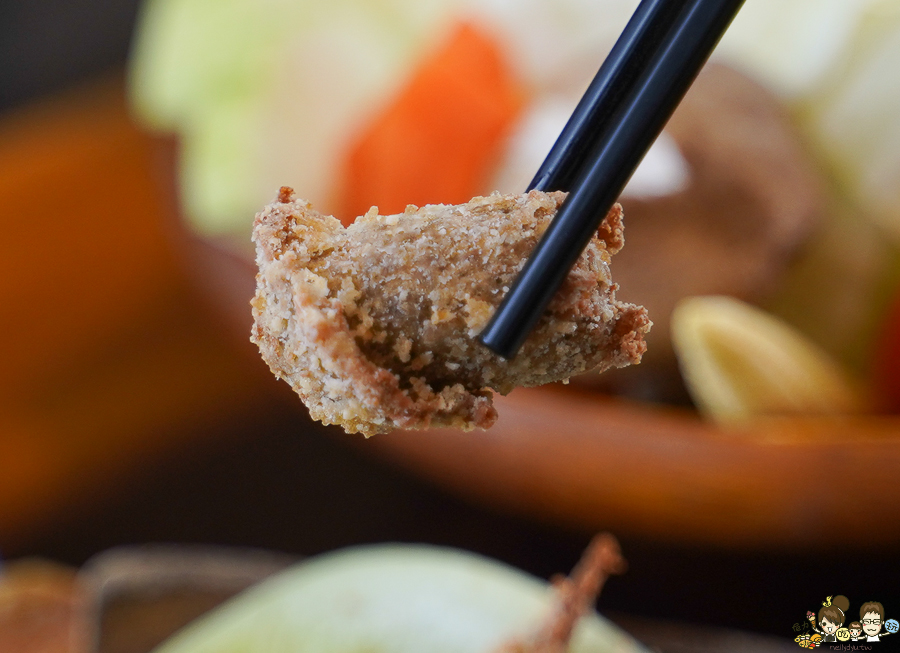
[440, 137]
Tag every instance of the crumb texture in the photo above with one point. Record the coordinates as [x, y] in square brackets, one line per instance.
[374, 325]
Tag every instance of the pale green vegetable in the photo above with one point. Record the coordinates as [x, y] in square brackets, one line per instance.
[268, 93]
[836, 62]
[836, 291]
[855, 117]
[271, 92]
[790, 45]
[388, 598]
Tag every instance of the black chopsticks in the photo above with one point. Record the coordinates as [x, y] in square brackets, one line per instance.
[654, 62]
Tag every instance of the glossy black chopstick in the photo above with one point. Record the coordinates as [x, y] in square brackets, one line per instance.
[639, 42]
[654, 89]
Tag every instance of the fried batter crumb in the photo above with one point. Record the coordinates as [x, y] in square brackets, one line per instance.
[285, 194]
[374, 325]
[574, 597]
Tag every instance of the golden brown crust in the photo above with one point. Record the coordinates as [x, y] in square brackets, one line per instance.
[374, 325]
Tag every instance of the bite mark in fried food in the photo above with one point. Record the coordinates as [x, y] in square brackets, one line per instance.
[374, 325]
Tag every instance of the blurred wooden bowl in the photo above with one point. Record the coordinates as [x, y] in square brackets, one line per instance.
[582, 459]
[588, 461]
[594, 462]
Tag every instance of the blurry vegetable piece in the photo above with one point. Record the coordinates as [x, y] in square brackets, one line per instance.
[790, 44]
[740, 362]
[836, 61]
[855, 115]
[440, 137]
[388, 599]
[861, 266]
[752, 200]
[268, 90]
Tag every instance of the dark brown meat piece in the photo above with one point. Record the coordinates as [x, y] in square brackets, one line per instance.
[374, 325]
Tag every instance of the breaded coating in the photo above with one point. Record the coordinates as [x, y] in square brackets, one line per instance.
[374, 325]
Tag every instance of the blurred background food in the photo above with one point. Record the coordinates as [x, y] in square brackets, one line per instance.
[374, 103]
[138, 139]
[347, 601]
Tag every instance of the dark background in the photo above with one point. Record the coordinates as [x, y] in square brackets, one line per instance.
[273, 480]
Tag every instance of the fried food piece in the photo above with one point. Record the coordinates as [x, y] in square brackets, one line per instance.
[374, 325]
